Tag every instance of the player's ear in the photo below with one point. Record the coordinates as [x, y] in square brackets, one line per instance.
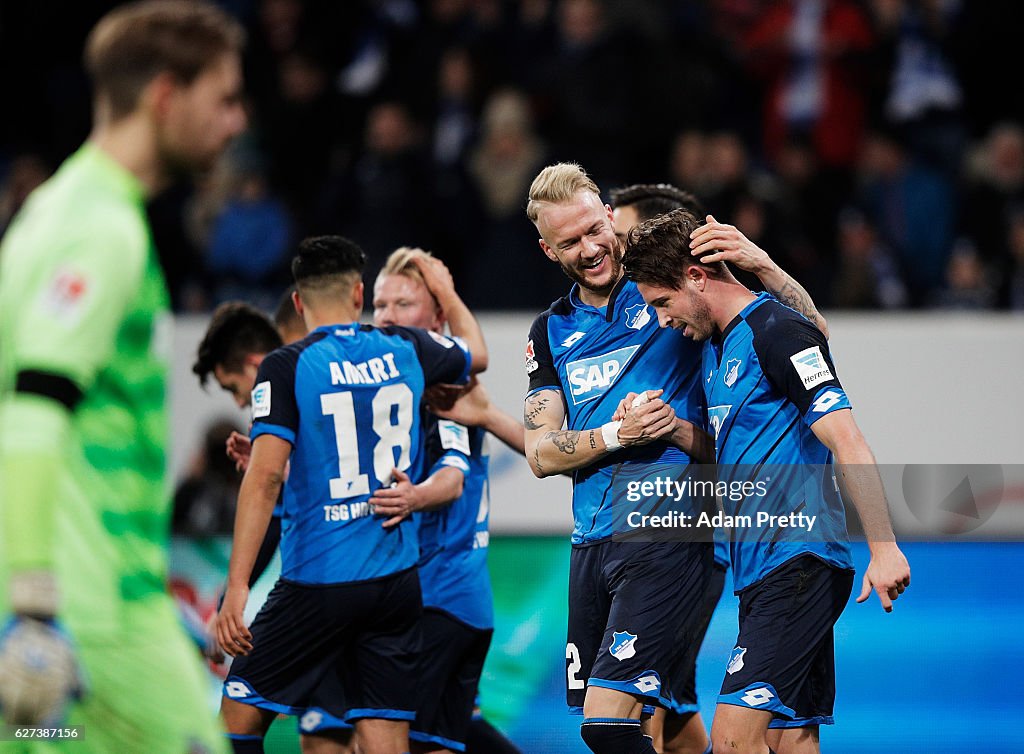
[548, 251]
[158, 95]
[297, 303]
[697, 276]
[357, 296]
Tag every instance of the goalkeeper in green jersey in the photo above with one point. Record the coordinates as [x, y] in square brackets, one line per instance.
[84, 339]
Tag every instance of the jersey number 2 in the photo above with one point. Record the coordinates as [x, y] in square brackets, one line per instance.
[339, 406]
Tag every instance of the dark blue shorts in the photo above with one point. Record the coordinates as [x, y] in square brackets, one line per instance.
[627, 601]
[784, 659]
[682, 698]
[450, 665]
[365, 634]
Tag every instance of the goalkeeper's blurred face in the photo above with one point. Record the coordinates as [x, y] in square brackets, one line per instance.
[196, 122]
[239, 382]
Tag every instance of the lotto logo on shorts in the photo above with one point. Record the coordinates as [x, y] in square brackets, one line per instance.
[623, 645]
[647, 684]
[236, 689]
[310, 720]
[757, 697]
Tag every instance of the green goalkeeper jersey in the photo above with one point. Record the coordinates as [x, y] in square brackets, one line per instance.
[84, 322]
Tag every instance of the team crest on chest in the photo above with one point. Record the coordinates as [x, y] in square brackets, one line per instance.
[732, 371]
[637, 316]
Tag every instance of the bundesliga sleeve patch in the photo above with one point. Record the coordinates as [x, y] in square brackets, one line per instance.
[531, 358]
[453, 436]
[261, 400]
[811, 366]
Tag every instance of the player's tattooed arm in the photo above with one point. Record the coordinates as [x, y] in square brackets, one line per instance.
[536, 404]
[550, 448]
[718, 242]
[793, 295]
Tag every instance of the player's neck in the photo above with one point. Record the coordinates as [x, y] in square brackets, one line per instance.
[598, 297]
[131, 143]
[727, 299]
[331, 315]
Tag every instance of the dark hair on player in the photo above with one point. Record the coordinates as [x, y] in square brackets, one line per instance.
[658, 250]
[653, 199]
[235, 331]
[134, 43]
[324, 261]
[285, 314]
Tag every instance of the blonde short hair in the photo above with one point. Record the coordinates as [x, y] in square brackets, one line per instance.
[400, 262]
[557, 184]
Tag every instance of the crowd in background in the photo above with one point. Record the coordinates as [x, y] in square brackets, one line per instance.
[874, 148]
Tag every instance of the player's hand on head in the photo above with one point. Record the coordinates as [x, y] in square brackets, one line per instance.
[239, 450]
[888, 574]
[396, 502]
[436, 275]
[718, 242]
[232, 633]
[39, 673]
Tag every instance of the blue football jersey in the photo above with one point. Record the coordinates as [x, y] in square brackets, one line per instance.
[595, 357]
[768, 379]
[454, 539]
[347, 398]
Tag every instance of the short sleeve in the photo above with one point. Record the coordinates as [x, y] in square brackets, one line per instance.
[540, 365]
[795, 357]
[443, 359]
[274, 408]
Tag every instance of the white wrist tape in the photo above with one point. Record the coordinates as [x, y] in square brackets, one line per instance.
[610, 433]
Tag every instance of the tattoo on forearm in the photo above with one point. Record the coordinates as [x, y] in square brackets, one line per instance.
[593, 441]
[536, 460]
[534, 407]
[795, 297]
[565, 440]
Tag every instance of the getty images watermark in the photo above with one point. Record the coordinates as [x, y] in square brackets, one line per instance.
[769, 503]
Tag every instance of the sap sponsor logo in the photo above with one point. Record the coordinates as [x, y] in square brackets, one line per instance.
[732, 371]
[531, 359]
[236, 689]
[260, 400]
[647, 684]
[311, 720]
[825, 401]
[637, 316]
[757, 697]
[591, 378]
[623, 645]
[811, 366]
[572, 339]
[736, 660]
[717, 416]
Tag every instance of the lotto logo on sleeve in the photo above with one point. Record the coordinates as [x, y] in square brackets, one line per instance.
[811, 367]
[591, 378]
[261, 400]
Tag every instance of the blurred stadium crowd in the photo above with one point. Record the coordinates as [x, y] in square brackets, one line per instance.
[875, 148]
